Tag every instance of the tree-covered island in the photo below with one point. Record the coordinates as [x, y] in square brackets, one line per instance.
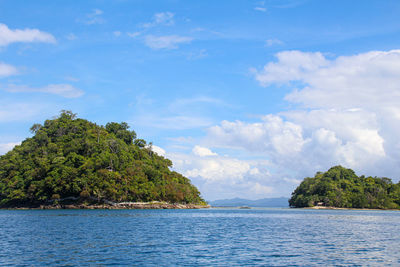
[342, 188]
[71, 162]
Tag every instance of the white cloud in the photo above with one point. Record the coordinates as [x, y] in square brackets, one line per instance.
[260, 189]
[7, 70]
[346, 111]
[158, 150]
[291, 65]
[166, 42]
[296, 150]
[292, 181]
[65, 90]
[272, 134]
[272, 42]
[312, 141]
[362, 80]
[117, 33]
[8, 36]
[218, 169]
[5, 147]
[224, 177]
[162, 18]
[211, 168]
[262, 9]
[369, 80]
[202, 151]
[348, 115]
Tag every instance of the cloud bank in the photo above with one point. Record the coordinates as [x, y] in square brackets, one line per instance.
[346, 111]
[223, 176]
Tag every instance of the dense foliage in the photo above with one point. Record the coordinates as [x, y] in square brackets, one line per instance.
[341, 187]
[71, 157]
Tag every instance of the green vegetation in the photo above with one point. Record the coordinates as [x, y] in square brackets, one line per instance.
[73, 158]
[341, 187]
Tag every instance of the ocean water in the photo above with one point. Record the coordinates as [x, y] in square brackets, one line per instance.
[211, 237]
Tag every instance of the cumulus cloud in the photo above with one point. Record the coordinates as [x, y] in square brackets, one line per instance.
[347, 114]
[272, 134]
[8, 36]
[216, 168]
[312, 141]
[202, 151]
[361, 80]
[64, 90]
[166, 42]
[5, 147]
[291, 66]
[7, 70]
[223, 176]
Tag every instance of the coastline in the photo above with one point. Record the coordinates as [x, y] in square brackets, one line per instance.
[337, 208]
[115, 206]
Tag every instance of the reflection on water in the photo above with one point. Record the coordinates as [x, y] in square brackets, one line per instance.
[199, 237]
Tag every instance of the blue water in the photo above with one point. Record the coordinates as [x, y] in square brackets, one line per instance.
[214, 237]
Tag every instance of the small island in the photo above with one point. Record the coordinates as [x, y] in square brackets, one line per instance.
[342, 188]
[70, 162]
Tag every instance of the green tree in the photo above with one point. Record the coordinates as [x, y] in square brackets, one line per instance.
[72, 157]
[341, 187]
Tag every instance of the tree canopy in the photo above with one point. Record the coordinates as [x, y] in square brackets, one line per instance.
[341, 187]
[72, 157]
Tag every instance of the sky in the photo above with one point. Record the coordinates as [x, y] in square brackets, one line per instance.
[245, 97]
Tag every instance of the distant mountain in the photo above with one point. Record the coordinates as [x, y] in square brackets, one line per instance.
[239, 202]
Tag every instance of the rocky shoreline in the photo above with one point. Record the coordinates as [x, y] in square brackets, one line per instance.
[122, 205]
[337, 208]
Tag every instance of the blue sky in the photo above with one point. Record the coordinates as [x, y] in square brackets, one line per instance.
[246, 97]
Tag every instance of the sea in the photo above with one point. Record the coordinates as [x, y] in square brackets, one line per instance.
[206, 237]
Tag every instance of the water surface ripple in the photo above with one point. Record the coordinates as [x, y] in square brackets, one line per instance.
[214, 237]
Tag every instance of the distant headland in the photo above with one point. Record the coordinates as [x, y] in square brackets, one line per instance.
[70, 162]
